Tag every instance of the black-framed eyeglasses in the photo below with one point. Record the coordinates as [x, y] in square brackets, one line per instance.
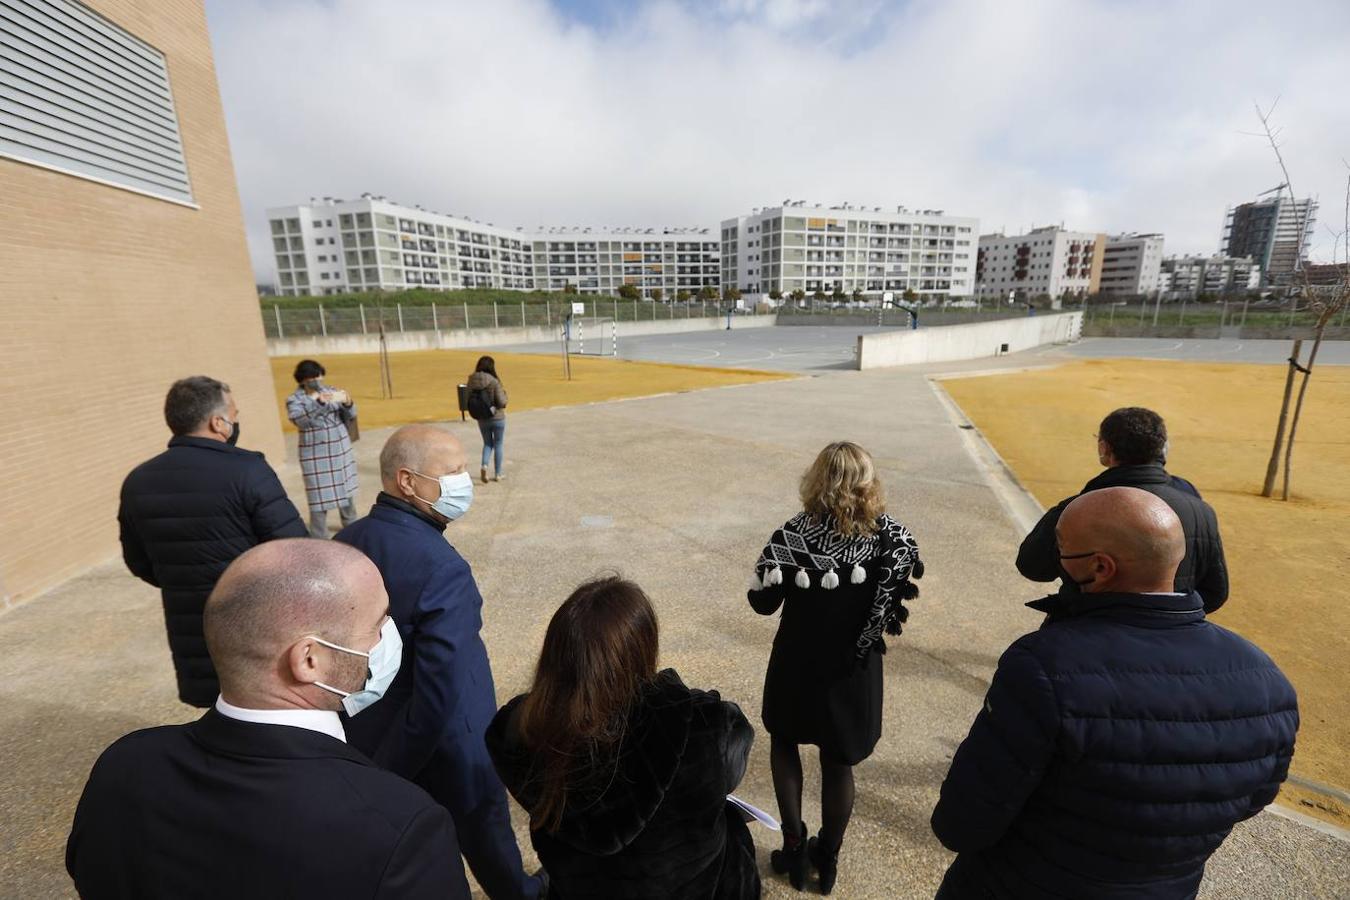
[1079, 555]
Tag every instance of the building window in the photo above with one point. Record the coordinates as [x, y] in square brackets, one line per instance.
[65, 62]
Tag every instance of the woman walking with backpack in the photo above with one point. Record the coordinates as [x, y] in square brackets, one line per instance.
[487, 405]
[838, 570]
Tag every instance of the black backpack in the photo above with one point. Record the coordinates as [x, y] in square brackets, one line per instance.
[480, 403]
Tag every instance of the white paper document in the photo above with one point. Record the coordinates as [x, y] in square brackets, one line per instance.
[756, 813]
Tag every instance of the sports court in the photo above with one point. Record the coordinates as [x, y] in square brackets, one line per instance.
[807, 349]
[816, 349]
[1336, 353]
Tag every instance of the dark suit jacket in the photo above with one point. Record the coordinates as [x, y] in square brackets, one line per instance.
[230, 809]
[443, 694]
[430, 726]
[185, 515]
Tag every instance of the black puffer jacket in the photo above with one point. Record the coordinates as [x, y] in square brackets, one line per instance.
[1116, 748]
[655, 823]
[184, 516]
[1203, 570]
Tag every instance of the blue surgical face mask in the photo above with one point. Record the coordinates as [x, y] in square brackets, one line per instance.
[456, 494]
[382, 665]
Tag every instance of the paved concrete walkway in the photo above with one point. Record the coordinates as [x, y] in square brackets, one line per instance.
[678, 492]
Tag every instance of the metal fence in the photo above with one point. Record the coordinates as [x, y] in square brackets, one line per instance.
[283, 322]
[1231, 320]
[1238, 319]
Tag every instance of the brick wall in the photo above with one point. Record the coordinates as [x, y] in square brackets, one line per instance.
[106, 297]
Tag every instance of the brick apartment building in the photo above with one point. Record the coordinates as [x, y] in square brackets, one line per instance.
[122, 267]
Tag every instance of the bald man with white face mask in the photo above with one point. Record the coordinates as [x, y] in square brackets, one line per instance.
[1119, 744]
[430, 727]
[262, 796]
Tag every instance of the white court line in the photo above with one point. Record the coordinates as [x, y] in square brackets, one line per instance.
[705, 350]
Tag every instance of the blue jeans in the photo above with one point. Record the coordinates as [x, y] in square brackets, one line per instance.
[494, 433]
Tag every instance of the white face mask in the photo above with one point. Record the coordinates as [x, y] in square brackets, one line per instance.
[456, 494]
[383, 662]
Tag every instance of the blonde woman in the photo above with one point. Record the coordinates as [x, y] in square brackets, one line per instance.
[838, 569]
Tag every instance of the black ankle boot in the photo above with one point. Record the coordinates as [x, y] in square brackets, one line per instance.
[826, 863]
[792, 859]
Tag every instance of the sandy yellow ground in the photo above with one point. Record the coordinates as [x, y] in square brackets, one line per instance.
[1288, 561]
[424, 382]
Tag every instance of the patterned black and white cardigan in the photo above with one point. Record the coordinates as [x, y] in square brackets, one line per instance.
[816, 549]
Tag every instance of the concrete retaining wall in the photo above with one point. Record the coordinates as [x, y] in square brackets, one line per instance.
[953, 342]
[318, 345]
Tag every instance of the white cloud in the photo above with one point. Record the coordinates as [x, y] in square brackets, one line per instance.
[1098, 113]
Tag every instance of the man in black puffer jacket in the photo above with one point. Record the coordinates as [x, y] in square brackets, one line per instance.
[186, 514]
[1120, 743]
[1132, 444]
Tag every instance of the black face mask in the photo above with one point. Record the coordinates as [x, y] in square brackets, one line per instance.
[234, 434]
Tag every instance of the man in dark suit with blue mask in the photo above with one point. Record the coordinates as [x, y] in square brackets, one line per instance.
[430, 726]
[263, 796]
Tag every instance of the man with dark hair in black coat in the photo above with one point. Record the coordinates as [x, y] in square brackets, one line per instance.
[1132, 444]
[187, 513]
[1120, 743]
[262, 796]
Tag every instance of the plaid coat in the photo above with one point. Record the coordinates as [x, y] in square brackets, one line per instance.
[326, 458]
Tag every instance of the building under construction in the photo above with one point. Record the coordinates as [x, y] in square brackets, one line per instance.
[1273, 232]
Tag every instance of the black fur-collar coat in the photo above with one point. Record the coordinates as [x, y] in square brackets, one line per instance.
[649, 820]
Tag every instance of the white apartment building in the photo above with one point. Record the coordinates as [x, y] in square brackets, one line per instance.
[599, 261]
[1047, 261]
[337, 246]
[812, 248]
[1187, 277]
[1131, 263]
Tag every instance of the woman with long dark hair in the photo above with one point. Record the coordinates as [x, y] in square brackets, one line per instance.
[625, 771]
[838, 570]
[487, 405]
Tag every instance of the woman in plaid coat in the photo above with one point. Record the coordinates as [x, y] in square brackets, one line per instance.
[321, 413]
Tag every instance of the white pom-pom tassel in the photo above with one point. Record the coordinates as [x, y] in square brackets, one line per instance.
[829, 581]
[803, 580]
[773, 576]
[755, 583]
[859, 574]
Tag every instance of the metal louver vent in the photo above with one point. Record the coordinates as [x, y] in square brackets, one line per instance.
[82, 96]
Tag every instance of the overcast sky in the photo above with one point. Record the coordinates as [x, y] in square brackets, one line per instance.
[1111, 115]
